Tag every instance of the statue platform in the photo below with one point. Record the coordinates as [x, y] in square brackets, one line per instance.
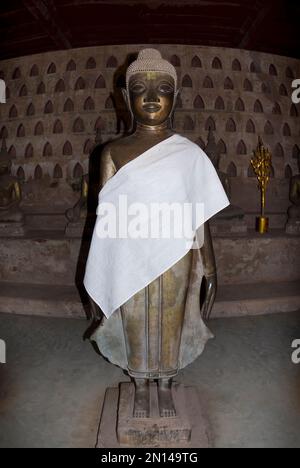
[257, 274]
[119, 429]
[293, 227]
[219, 226]
[12, 229]
[232, 300]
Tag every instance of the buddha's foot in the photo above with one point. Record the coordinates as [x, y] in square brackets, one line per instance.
[141, 399]
[165, 399]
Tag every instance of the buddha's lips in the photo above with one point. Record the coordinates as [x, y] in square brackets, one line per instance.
[151, 107]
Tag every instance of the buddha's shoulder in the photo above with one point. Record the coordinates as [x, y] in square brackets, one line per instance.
[107, 153]
[113, 148]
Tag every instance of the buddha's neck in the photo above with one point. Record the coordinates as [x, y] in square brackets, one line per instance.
[153, 130]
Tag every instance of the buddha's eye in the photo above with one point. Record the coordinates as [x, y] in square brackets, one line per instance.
[137, 87]
[165, 88]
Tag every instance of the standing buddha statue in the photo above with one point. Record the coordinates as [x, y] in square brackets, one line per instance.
[149, 289]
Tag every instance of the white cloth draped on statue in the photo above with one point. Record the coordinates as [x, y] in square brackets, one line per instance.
[174, 173]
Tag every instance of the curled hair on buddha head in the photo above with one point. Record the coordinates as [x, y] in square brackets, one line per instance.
[150, 60]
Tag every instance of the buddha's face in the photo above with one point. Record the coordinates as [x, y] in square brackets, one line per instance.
[151, 96]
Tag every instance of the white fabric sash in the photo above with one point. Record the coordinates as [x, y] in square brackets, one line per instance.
[174, 170]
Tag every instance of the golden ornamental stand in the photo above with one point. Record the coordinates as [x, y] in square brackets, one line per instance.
[262, 164]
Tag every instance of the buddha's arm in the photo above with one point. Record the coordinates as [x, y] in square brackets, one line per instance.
[210, 272]
[107, 170]
[107, 166]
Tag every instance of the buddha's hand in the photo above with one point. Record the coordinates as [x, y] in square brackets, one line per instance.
[210, 295]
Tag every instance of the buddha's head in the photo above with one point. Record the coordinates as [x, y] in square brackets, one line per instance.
[151, 88]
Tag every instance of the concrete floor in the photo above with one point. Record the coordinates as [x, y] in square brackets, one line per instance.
[53, 385]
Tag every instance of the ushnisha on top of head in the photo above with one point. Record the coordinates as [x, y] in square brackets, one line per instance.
[150, 60]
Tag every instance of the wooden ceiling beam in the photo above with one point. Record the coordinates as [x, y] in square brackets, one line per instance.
[44, 11]
[252, 25]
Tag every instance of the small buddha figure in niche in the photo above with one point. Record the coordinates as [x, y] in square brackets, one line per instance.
[294, 209]
[146, 290]
[213, 152]
[79, 211]
[10, 190]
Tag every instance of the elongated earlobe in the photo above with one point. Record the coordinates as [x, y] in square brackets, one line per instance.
[125, 97]
[131, 122]
[176, 94]
[127, 102]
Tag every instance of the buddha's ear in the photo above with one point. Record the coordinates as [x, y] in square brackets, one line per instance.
[126, 97]
[127, 101]
[177, 93]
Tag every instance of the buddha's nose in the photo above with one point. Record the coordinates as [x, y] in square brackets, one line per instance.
[151, 96]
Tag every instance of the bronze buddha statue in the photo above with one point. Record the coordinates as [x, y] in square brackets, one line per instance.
[10, 190]
[159, 330]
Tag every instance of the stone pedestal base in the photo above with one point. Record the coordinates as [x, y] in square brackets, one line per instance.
[228, 227]
[293, 227]
[118, 428]
[11, 229]
[43, 221]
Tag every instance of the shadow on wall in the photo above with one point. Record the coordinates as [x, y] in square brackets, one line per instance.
[124, 123]
[92, 202]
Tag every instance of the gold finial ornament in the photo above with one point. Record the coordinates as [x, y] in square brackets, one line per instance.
[262, 166]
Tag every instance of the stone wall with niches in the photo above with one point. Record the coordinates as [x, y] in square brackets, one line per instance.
[60, 104]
